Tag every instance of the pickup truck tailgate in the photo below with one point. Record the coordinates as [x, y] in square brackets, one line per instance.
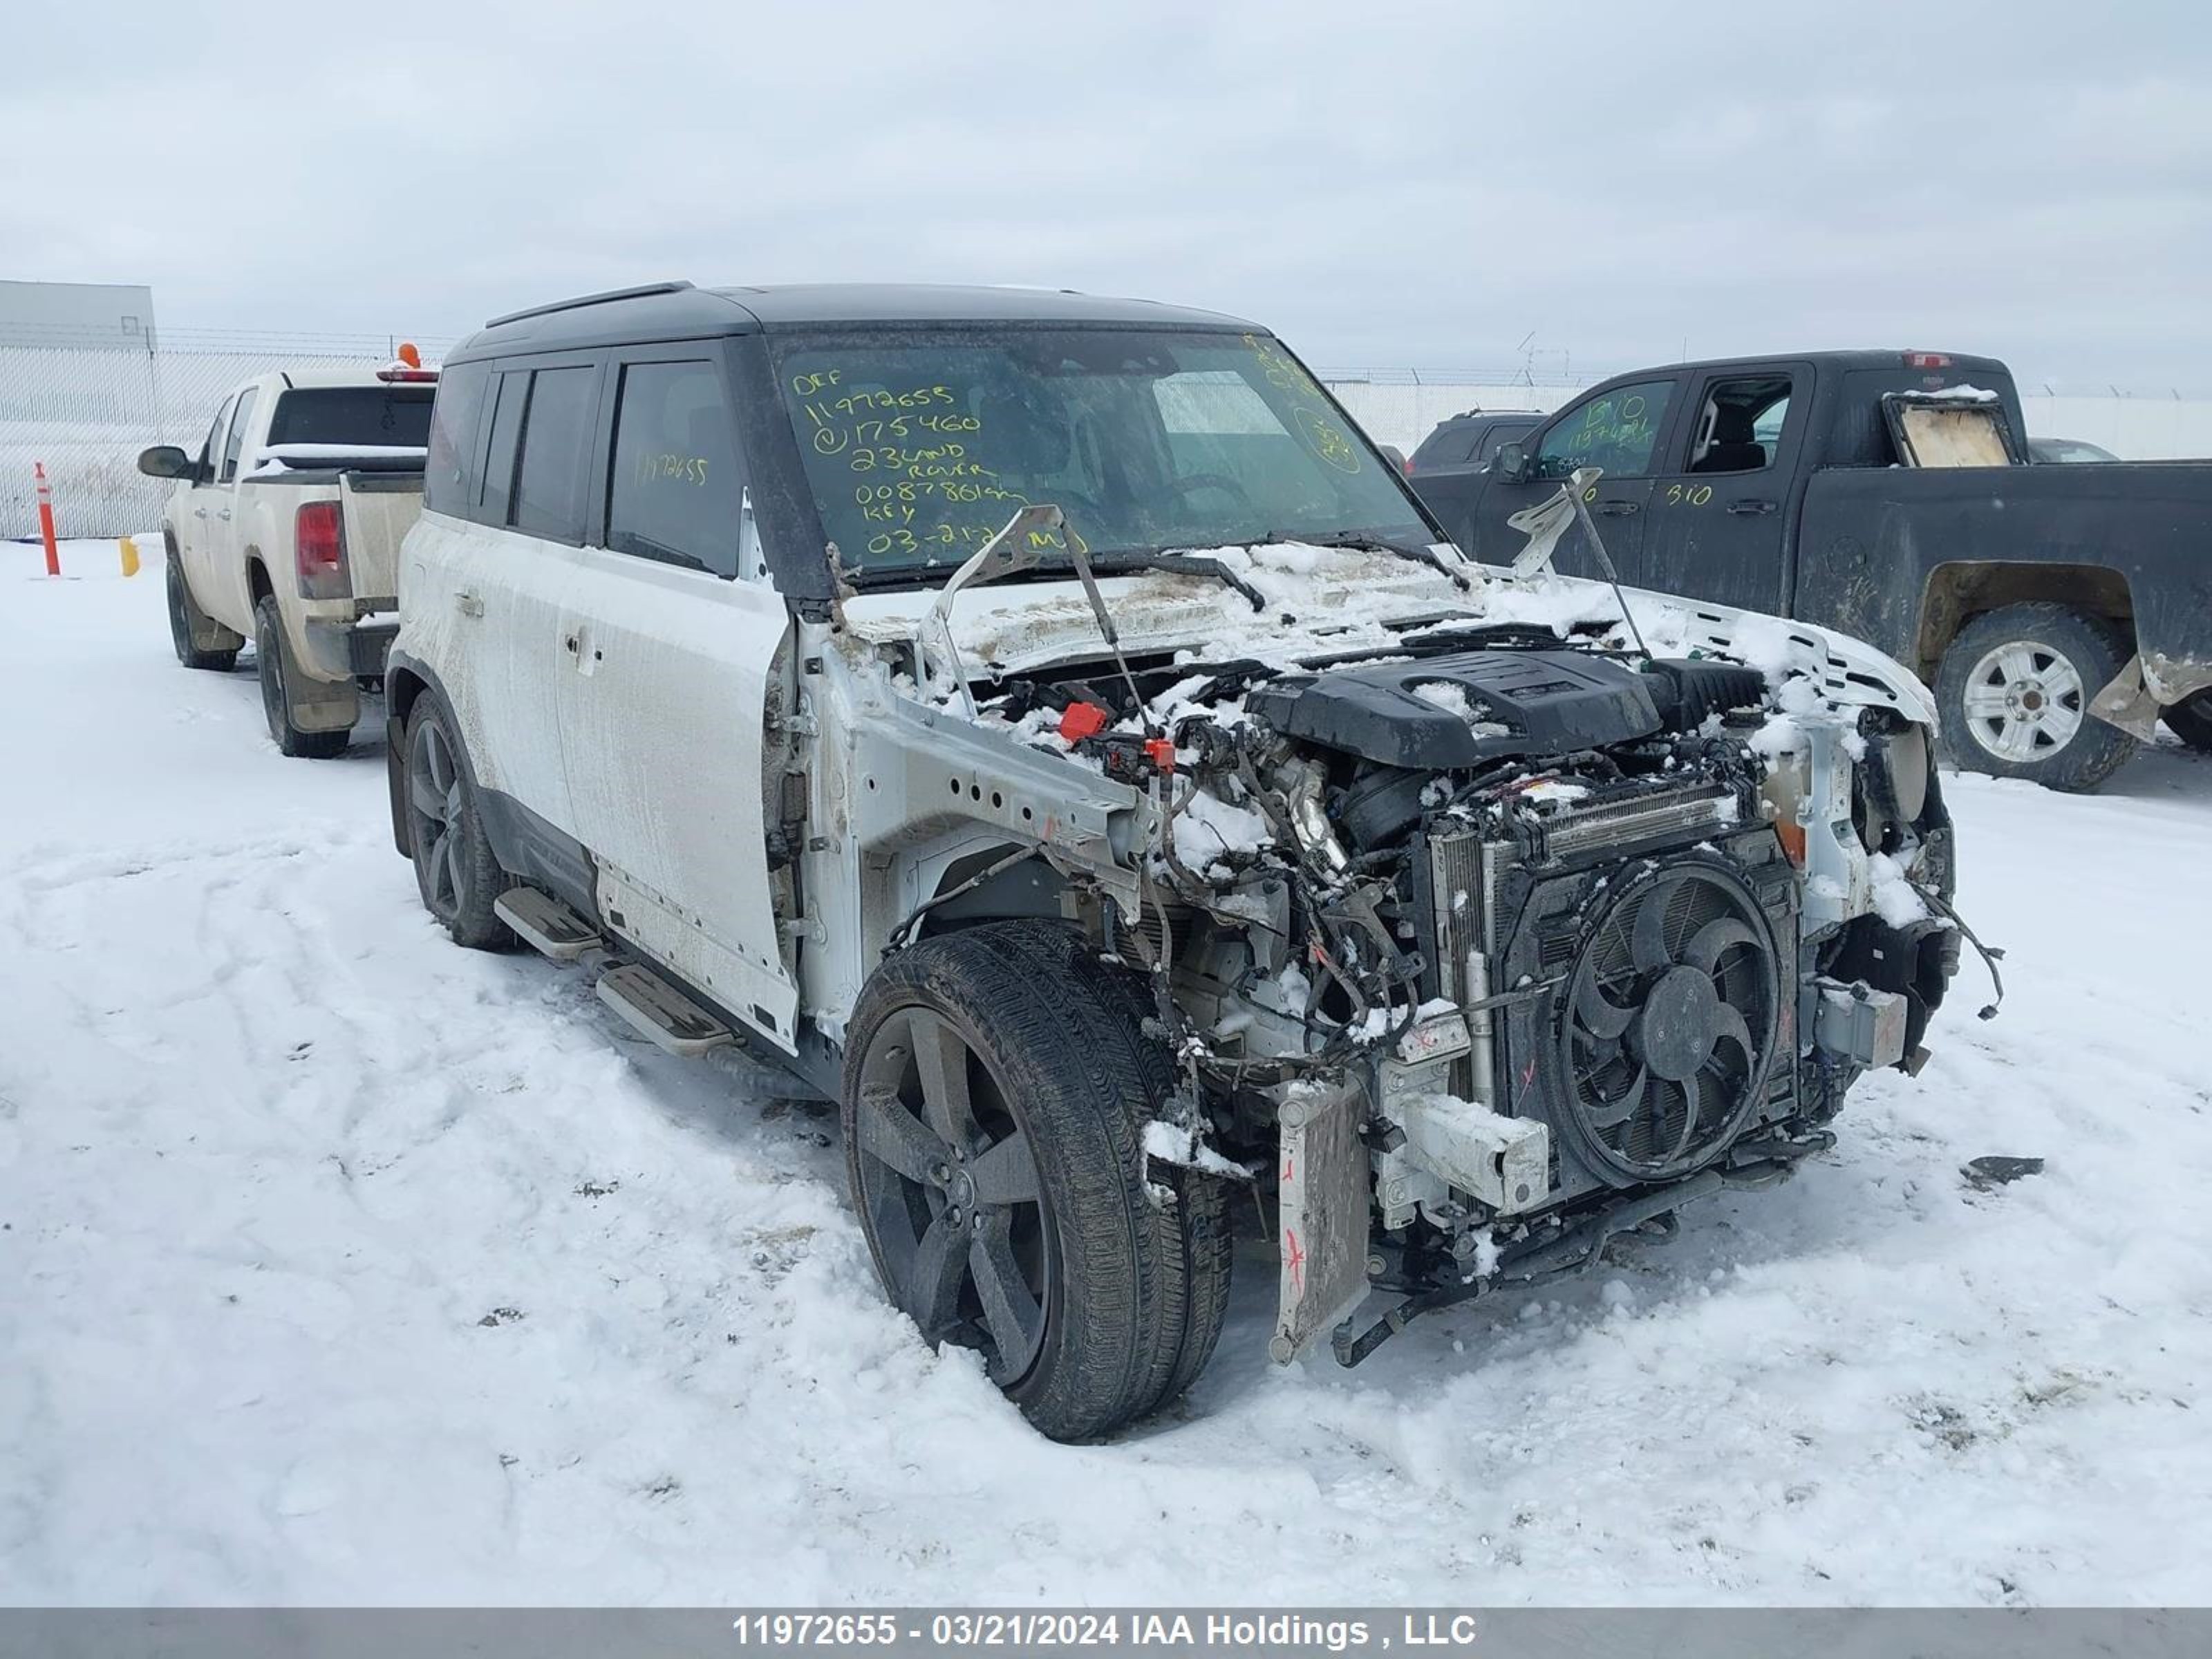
[381, 508]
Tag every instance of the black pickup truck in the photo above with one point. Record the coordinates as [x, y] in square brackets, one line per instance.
[2059, 612]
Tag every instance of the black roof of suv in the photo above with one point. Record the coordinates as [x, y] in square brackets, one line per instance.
[679, 310]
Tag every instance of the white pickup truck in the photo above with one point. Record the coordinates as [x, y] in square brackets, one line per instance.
[286, 529]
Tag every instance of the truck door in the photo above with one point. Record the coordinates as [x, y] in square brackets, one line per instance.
[670, 650]
[1722, 511]
[1618, 427]
[194, 513]
[229, 596]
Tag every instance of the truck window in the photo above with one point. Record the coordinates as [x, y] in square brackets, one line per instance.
[556, 427]
[211, 451]
[1736, 413]
[238, 423]
[353, 417]
[672, 494]
[1959, 434]
[1615, 430]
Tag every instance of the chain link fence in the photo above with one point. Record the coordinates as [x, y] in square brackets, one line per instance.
[85, 408]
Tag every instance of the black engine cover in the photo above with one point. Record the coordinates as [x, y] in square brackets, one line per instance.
[1519, 702]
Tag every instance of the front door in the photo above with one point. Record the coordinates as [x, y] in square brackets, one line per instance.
[1618, 429]
[661, 712]
[1720, 517]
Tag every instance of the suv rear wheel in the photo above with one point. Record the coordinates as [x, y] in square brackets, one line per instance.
[455, 871]
[2015, 689]
[997, 1086]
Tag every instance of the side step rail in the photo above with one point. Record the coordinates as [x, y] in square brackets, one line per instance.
[545, 924]
[661, 1013]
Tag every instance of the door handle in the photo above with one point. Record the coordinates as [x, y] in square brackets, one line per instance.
[1616, 509]
[1750, 507]
[224, 515]
[199, 512]
[468, 604]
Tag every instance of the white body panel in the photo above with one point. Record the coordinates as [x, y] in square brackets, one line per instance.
[660, 708]
[485, 609]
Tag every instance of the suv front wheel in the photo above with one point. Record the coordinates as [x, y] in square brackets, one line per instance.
[997, 1086]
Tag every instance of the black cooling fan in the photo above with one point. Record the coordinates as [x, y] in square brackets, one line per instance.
[1667, 1023]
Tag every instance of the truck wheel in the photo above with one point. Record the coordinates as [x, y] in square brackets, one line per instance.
[2190, 719]
[2014, 690]
[274, 658]
[455, 870]
[997, 1086]
[187, 620]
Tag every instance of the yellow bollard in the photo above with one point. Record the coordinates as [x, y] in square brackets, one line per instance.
[130, 550]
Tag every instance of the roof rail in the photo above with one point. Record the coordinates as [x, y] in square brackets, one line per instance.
[638, 293]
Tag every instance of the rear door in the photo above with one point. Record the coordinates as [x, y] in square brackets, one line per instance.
[1722, 512]
[670, 650]
[503, 576]
[1621, 428]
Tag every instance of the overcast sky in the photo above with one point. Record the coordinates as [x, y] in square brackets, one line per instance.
[1383, 185]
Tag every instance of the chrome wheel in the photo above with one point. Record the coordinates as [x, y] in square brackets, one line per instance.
[434, 805]
[2023, 702]
[950, 1183]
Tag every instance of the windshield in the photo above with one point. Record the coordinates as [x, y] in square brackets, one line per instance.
[918, 446]
[354, 416]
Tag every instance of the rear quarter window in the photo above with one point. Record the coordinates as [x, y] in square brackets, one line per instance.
[449, 475]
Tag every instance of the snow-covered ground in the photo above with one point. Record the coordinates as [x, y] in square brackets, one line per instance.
[341, 1266]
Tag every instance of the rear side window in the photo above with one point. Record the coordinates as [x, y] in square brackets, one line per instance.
[497, 489]
[1450, 445]
[238, 425]
[556, 427]
[673, 494]
[448, 476]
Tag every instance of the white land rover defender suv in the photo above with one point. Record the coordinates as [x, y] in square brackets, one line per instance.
[1048, 725]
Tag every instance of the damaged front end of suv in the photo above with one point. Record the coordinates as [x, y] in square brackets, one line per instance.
[1476, 939]
[1466, 920]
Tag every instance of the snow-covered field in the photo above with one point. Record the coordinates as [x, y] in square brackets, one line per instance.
[341, 1266]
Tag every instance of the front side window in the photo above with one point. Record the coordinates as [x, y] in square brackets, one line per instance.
[211, 451]
[238, 424]
[1615, 431]
[672, 491]
[557, 427]
[919, 444]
